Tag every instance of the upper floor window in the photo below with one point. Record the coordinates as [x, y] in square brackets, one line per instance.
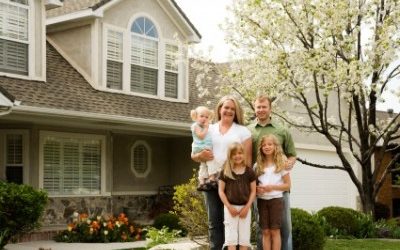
[141, 61]
[14, 37]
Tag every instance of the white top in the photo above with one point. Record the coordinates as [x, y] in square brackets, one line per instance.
[221, 142]
[271, 178]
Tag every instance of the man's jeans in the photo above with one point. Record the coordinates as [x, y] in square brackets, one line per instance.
[215, 212]
[286, 229]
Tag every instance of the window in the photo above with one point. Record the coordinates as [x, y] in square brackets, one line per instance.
[144, 56]
[71, 164]
[171, 71]
[140, 61]
[14, 38]
[140, 159]
[14, 158]
[114, 59]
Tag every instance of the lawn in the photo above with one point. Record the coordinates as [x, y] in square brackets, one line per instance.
[364, 244]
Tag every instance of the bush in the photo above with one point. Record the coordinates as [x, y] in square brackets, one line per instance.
[340, 221]
[21, 206]
[189, 207]
[100, 229]
[169, 220]
[161, 236]
[307, 232]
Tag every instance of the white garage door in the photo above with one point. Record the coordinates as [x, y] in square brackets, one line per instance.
[315, 188]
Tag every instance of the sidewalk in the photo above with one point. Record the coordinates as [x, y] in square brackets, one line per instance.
[181, 244]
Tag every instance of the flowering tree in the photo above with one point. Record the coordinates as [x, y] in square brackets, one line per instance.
[333, 60]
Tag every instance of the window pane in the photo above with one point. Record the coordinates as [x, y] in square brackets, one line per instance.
[14, 174]
[13, 57]
[144, 52]
[114, 75]
[171, 57]
[13, 22]
[144, 26]
[144, 80]
[171, 84]
[140, 159]
[114, 45]
[20, 1]
[72, 166]
[14, 149]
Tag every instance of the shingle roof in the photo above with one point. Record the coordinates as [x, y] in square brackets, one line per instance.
[70, 6]
[66, 89]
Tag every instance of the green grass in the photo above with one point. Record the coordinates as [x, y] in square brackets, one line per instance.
[362, 244]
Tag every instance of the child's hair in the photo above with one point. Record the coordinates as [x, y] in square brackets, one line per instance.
[279, 157]
[195, 112]
[232, 149]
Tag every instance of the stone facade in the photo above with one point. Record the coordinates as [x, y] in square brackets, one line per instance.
[59, 210]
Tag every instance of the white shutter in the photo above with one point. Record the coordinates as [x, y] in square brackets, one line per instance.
[144, 80]
[14, 38]
[171, 70]
[71, 166]
[114, 59]
[52, 166]
[144, 51]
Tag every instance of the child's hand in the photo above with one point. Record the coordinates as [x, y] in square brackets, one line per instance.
[233, 211]
[243, 212]
[263, 189]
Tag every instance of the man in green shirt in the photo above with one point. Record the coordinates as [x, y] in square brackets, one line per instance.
[264, 125]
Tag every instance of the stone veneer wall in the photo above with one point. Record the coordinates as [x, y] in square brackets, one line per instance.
[59, 210]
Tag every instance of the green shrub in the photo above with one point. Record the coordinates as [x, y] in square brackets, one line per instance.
[189, 207]
[169, 220]
[340, 221]
[161, 236]
[307, 232]
[366, 226]
[21, 206]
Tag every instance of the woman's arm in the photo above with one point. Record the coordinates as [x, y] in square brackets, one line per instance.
[247, 144]
[224, 199]
[202, 156]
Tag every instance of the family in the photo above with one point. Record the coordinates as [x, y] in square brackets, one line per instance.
[244, 169]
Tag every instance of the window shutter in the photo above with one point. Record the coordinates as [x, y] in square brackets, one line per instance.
[114, 59]
[72, 166]
[144, 80]
[14, 38]
[14, 158]
[52, 166]
[171, 70]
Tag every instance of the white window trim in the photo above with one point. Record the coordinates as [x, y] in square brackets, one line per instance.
[183, 67]
[102, 138]
[25, 151]
[149, 153]
[31, 45]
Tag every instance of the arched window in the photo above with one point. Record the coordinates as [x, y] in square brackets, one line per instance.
[140, 159]
[144, 56]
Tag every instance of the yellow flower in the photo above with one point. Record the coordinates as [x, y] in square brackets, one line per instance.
[105, 232]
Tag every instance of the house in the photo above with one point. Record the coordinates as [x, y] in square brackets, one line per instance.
[94, 107]
[98, 110]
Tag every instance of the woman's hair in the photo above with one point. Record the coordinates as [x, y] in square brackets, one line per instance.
[238, 109]
[278, 156]
[232, 149]
[200, 109]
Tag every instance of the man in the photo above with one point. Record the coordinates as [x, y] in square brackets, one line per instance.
[263, 125]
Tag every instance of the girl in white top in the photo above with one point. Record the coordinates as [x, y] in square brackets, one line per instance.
[273, 179]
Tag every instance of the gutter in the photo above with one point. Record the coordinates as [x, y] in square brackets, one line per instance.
[58, 113]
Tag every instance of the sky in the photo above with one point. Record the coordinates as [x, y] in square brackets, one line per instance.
[207, 15]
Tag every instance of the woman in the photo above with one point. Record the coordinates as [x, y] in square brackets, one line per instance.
[227, 130]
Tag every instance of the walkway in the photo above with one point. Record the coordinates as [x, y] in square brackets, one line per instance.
[181, 244]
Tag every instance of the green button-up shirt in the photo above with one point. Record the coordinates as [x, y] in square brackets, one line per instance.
[283, 135]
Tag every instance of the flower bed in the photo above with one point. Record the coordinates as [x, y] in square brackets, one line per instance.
[100, 229]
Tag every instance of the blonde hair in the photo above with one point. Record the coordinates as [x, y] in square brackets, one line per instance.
[195, 112]
[238, 109]
[279, 157]
[232, 149]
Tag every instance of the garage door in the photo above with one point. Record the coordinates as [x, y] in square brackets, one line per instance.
[315, 188]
